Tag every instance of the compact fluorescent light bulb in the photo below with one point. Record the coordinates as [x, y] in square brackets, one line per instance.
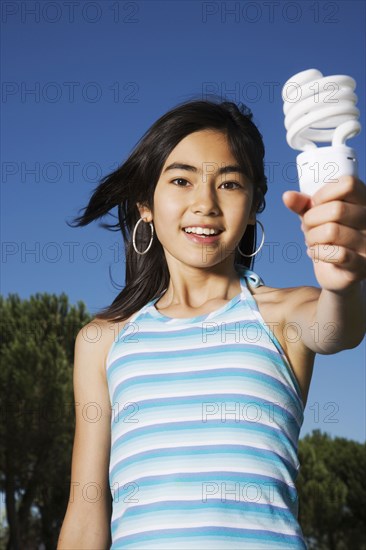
[321, 109]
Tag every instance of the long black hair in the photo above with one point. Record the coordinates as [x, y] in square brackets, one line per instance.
[135, 181]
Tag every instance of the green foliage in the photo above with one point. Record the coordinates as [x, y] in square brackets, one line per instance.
[38, 414]
[332, 492]
[37, 428]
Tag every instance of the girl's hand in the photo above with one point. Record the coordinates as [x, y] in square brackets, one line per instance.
[334, 224]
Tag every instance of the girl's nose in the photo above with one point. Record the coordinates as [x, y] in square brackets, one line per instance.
[204, 199]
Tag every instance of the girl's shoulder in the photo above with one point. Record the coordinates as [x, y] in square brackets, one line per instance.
[282, 298]
[284, 306]
[102, 333]
[281, 309]
[285, 297]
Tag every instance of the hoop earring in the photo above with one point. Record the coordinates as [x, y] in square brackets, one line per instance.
[260, 246]
[134, 234]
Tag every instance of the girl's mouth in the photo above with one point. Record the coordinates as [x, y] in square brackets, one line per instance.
[200, 239]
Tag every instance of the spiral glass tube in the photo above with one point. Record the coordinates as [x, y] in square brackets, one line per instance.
[318, 110]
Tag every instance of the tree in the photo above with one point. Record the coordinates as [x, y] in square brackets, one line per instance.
[332, 492]
[38, 422]
[38, 417]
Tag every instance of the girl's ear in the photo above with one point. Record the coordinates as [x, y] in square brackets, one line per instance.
[252, 214]
[145, 212]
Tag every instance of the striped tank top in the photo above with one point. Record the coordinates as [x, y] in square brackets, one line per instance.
[206, 415]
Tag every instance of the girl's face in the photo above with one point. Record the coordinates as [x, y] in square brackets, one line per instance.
[208, 190]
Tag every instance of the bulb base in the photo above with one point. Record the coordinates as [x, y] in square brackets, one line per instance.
[321, 165]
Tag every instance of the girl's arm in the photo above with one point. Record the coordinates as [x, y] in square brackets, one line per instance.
[333, 317]
[87, 520]
[327, 321]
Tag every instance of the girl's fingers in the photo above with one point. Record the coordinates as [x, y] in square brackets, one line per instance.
[346, 188]
[342, 257]
[352, 215]
[337, 234]
[296, 201]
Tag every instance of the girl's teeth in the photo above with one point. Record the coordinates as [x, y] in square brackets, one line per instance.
[202, 232]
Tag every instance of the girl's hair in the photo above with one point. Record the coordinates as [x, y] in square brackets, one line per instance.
[135, 181]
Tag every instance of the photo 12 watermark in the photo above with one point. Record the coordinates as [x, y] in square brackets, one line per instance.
[69, 92]
[272, 12]
[71, 12]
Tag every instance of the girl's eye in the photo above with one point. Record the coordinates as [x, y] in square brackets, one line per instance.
[178, 179]
[224, 183]
[231, 182]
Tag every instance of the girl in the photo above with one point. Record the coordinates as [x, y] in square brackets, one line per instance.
[189, 393]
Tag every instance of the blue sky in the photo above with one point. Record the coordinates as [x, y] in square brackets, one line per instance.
[82, 83]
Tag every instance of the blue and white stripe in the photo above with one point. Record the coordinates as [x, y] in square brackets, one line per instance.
[204, 432]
